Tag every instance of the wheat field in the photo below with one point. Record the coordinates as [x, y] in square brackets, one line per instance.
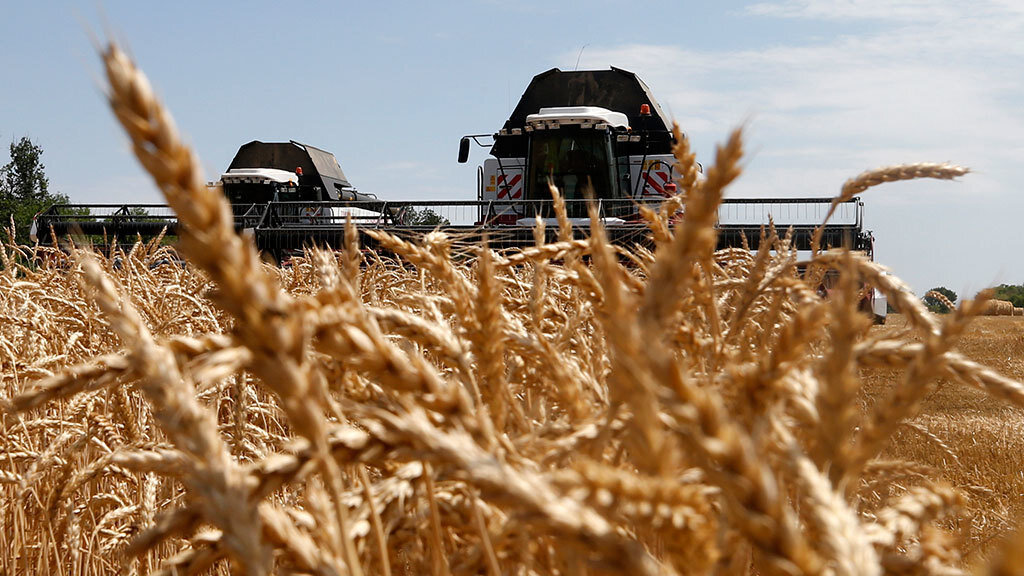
[442, 408]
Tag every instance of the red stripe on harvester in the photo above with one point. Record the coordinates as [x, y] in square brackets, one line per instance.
[654, 184]
[511, 188]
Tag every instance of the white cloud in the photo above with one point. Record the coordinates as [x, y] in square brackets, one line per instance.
[893, 10]
[858, 94]
[926, 81]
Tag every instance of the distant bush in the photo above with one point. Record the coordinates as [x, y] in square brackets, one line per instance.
[424, 217]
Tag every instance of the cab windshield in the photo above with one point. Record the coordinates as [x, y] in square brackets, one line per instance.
[573, 159]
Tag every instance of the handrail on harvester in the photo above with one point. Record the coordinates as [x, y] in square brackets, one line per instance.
[293, 224]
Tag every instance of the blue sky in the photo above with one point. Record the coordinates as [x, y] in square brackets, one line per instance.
[826, 88]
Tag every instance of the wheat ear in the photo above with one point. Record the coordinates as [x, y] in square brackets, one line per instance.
[213, 475]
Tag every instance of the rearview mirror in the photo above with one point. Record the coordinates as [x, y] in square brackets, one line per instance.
[464, 150]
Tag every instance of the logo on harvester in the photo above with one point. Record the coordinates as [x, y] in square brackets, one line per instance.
[511, 191]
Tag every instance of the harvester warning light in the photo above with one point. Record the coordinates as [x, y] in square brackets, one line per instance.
[645, 109]
[298, 170]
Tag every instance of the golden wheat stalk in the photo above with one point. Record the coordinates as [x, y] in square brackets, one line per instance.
[571, 407]
[212, 474]
[276, 337]
[871, 178]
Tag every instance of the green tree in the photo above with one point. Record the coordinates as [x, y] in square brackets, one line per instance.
[936, 305]
[424, 217]
[1012, 292]
[24, 188]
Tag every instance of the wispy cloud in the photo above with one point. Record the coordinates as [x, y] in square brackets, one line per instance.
[904, 10]
[906, 92]
[906, 81]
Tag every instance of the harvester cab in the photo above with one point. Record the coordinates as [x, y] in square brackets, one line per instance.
[574, 149]
[597, 133]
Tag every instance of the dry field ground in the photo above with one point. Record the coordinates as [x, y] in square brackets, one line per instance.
[965, 436]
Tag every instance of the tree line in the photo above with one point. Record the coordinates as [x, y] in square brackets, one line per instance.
[1010, 292]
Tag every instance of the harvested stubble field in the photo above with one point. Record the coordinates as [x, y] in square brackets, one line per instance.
[572, 408]
[964, 436]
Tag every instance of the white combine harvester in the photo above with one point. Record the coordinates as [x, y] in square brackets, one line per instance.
[602, 131]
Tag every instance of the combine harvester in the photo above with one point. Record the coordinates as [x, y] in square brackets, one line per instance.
[599, 129]
[605, 129]
[302, 183]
